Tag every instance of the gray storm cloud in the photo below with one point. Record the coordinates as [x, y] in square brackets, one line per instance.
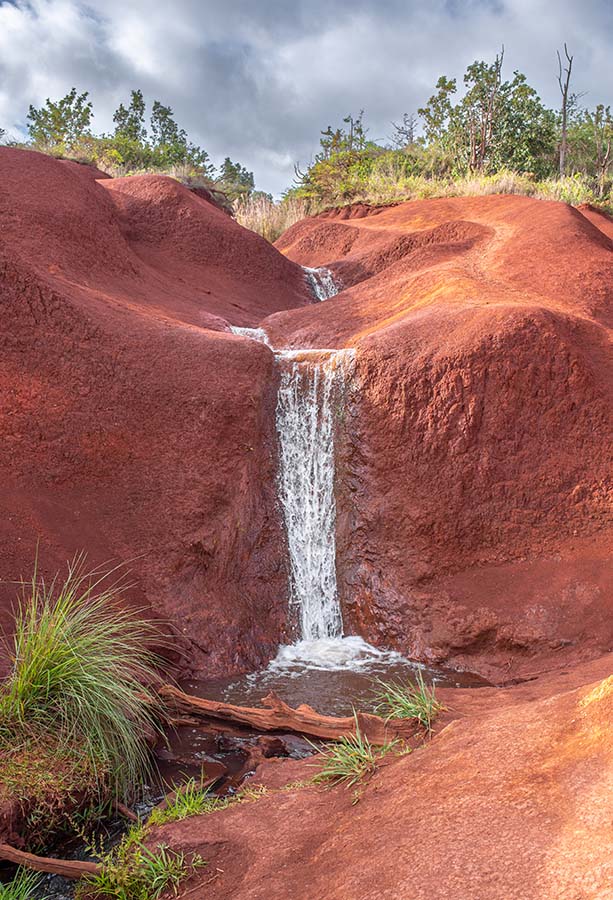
[258, 80]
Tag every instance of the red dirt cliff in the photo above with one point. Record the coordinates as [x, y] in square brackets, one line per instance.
[475, 470]
[132, 424]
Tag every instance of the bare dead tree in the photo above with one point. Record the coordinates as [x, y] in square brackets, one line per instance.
[564, 74]
[405, 131]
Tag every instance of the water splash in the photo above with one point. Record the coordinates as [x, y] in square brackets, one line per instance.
[321, 282]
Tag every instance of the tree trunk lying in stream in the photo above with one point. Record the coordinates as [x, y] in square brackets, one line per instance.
[69, 868]
[275, 715]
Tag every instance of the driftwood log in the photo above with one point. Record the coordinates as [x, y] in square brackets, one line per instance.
[69, 868]
[275, 715]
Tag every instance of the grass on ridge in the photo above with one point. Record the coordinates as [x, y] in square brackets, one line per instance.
[408, 700]
[350, 759]
[82, 674]
[189, 800]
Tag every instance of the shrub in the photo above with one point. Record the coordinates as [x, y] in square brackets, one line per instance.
[350, 759]
[409, 700]
[82, 672]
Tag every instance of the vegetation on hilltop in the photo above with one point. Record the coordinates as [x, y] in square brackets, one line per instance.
[62, 128]
[495, 135]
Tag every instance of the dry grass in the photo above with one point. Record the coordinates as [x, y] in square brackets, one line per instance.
[270, 218]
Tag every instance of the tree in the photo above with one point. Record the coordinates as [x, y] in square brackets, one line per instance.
[235, 180]
[564, 83]
[405, 132]
[602, 130]
[480, 108]
[130, 122]
[355, 138]
[496, 124]
[60, 125]
[438, 111]
[164, 130]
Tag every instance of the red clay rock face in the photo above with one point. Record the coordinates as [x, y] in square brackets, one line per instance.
[509, 804]
[127, 429]
[474, 475]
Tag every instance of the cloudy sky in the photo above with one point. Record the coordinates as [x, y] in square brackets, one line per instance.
[258, 79]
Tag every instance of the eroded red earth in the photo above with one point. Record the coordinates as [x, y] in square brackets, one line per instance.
[474, 497]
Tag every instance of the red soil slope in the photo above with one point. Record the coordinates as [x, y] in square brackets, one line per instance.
[128, 427]
[475, 473]
[510, 804]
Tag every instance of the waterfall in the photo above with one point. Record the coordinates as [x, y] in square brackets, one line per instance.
[311, 386]
[311, 390]
[321, 282]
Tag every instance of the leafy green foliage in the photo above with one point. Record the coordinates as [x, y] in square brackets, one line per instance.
[22, 887]
[81, 671]
[409, 700]
[234, 180]
[130, 121]
[492, 127]
[350, 759]
[57, 126]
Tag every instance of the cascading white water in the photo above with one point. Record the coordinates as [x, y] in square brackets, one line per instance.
[305, 426]
[322, 283]
[311, 388]
[256, 334]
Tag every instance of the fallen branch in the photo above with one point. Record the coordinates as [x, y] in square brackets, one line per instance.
[69, 868]
[275, 715]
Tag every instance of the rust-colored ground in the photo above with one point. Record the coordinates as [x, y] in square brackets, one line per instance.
[474, 498]
[511, 801]
[474, 466]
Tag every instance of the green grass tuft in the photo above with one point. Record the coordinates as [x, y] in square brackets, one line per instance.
[22, 887]
[132, 871]
[350, 759]
[81, 674]
[408, 700]
[189, 800]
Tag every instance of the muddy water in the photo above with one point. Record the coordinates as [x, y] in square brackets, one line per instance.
[331, 692]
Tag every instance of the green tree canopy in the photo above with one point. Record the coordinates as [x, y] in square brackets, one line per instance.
[495, 124]
[130, 121]
[58, 126]
[234, 180]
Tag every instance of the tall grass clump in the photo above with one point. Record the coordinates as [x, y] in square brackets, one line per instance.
[22, 887]
[408, 700]
[350, 759]
[82, 673]
[269, 218]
